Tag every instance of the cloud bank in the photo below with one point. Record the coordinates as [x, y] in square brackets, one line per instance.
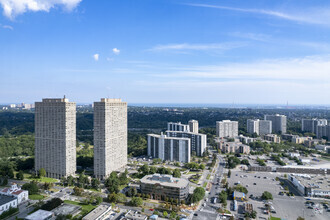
[12, 8]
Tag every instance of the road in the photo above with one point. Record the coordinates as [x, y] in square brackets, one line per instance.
[209, 211]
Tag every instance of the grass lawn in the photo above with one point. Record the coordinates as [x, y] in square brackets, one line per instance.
[193, 172]
[274, 218]
[208, 176]
[44, 180]
[36, 197]
[205, 184]
[85, 209]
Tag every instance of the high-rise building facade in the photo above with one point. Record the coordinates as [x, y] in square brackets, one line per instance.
[198, 141]
[265, 127]
[55, 137]
[310, 125]
[252, 126]
[193, 126]
[110, 136]
[323, 131]
[278, 123]
[177, 126]
[260, 127]
[226, 128]
[169, 148]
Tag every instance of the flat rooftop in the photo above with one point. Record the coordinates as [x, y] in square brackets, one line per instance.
[40, 214]
[66, 209]
[166, 137]
[164, 180]
[318, 182]
[97, 212]
[5, 199]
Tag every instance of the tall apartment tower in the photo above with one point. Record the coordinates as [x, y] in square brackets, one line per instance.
[169, 148]
[55, 137]
[193, 126]
[110, 136]
[278, 123]
[265, 127]
[177, 126]
[227, 128]
[310, 125]
[252, 126]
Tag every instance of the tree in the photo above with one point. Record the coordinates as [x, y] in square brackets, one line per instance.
[152, 170]
[112, 183]
[123, 178]
[176, 173]
[144, 169]
[136, 201]
[229, 174]
[300, 218]
[32, 187]
[70, 180]
[267, 196]
[245, 162]
[20, 175]
[172, 215]
[42, 172]
[197, 195]
[78, 191]
[202, 166]
[165, 214]
[95, 183]
[99, 200]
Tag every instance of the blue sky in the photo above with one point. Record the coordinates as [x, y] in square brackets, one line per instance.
[166, 51]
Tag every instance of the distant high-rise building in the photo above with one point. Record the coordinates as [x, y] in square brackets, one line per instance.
[177, 126]
[252, 126]
[226, 128]
[278, 123]
[169, 148]
[55, 137]
[110, 136]
[323, 131]
[198, 141]
[265, 127]
[310, 125]
[193, 126]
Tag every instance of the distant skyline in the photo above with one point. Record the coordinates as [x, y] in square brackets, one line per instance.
[166, 51]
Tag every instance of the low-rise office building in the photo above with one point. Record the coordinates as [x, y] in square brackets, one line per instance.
[169, 148]
[102, 212]
[7, 202]
[160, 187]
[40, 215]
[14, 190]
[246, 140]
[300, 140]
[311, 185]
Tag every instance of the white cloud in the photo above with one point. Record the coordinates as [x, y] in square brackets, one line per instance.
[96, 57]
[309, 69]
[6, 27]
[12, 8]
[312, 16]
[110, 59]
[200, 47]
[116, 51]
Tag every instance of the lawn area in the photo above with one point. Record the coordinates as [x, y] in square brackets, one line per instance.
[36, 197]
[208, 176]
[44, 179]
[85, 209]
[205, 184]
[193, 172]
[274, 218]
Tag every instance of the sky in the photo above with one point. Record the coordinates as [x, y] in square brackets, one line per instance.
[166, 51]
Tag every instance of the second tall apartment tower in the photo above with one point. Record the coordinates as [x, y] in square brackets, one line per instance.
[110, 136]
[55, 137]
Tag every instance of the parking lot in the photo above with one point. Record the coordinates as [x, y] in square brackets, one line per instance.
[286, 207]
